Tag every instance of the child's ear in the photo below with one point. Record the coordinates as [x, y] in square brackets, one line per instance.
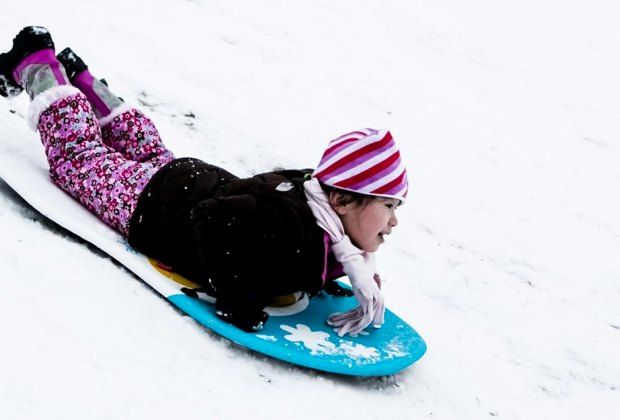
[335, 200]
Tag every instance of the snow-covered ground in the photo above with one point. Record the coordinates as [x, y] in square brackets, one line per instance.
[506, 258]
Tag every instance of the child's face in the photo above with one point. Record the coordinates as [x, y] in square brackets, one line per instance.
[366, 224]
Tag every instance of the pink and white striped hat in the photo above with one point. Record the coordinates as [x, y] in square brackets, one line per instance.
[366, 161]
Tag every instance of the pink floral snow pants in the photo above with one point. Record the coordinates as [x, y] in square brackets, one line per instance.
[106, 168]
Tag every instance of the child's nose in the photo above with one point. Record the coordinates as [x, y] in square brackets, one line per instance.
[393, 220]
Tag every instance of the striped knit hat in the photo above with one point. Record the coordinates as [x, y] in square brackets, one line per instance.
[366, 161]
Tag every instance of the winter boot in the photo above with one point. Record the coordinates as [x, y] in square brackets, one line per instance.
[73, 64]
[97, 91]
[30, 64]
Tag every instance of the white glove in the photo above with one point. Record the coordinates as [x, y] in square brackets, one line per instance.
[360, 268]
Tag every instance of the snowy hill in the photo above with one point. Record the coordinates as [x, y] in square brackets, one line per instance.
[505, 258]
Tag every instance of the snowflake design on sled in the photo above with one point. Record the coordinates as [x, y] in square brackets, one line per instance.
[319, 345]
[315, 341]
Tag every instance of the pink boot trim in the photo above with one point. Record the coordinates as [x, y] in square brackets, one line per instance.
[45, 56]
[84, 82]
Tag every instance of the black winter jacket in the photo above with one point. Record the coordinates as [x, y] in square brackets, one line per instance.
[252, 237]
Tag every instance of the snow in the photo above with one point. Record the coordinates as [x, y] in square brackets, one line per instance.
[505, 258]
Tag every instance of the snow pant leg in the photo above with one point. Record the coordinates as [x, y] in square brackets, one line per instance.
[134, 135]
[96, 175]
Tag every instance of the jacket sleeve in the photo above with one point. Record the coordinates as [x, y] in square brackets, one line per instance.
[224, 229]
[253, 241]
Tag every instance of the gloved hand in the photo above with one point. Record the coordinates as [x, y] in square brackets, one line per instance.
[356, 320]
[248, 322]
[244, 308]
[360, 268]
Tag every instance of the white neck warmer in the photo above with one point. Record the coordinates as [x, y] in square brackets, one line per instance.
[328, 220]
[323, 212]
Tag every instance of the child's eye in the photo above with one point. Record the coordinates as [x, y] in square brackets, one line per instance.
[391, 205]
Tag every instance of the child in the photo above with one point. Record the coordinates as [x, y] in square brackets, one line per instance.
[243, 240]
